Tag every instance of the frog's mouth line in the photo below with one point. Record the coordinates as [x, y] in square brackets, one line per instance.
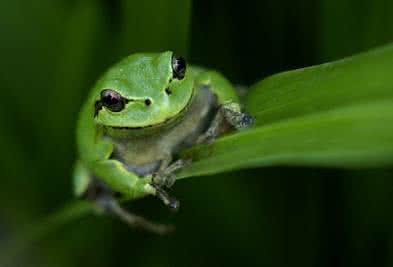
[167, 122]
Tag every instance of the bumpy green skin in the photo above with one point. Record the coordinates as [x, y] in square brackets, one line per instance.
[137, 77]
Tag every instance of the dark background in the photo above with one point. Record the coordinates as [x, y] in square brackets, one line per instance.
[51, 52]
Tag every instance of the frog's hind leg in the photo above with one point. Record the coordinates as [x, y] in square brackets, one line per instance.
[104, 197]
[91, 188]
[228, 115]
[112, 206]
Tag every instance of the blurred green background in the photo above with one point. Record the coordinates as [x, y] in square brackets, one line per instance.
[51, 52]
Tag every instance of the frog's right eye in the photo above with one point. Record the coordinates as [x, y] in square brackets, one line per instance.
[112, 100]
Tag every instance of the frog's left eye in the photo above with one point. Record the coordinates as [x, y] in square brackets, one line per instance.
[178, 67]
[112, 100]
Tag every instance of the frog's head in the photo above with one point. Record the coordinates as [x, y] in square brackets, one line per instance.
[143, 90]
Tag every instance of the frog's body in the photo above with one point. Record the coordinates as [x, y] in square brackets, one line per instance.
[143, 154]
[140, 114]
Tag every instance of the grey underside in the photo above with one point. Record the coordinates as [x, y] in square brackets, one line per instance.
[143, 154]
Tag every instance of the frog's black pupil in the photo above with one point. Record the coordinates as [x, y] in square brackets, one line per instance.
[178, 67]
[112, 100]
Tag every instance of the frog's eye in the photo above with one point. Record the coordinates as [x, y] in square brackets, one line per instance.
[178, 67]
[112, 100]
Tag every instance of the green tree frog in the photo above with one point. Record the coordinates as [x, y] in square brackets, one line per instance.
[139, 115]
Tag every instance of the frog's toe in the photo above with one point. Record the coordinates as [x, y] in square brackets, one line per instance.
[206, 139]
[169, 201]
[245, 120]
[158, 180]
[167, 177]
[170, 180]
[167, 180]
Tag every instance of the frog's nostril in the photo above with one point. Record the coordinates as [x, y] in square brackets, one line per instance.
[147, 102]
[168, 91]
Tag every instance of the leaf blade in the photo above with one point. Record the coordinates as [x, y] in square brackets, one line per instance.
[338, 114]
[357, 79]
[299, 142]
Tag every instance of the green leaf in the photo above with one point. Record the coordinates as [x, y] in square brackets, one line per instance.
[338, 114]
[360, 79]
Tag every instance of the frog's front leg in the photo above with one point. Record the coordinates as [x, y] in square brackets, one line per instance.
[121, 180]
[131, 186]
[229, 111]
[165, 177]
[233, 115]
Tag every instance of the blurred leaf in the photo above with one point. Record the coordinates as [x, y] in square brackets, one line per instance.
[334, 115]
[35, 232]
[368, 220]
[72, 66]
[14, 178]
[164, 27]
[350, 26]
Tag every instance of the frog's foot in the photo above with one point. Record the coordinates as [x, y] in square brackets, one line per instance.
[232, 114]
[169, 201]
[166, 177]
[229, 113]
[111, 206]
